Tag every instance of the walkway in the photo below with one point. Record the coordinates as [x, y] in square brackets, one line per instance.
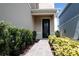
[41, 48]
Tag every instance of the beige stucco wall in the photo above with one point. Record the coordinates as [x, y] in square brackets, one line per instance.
[18, 14]
[34, 5]
[37, 21]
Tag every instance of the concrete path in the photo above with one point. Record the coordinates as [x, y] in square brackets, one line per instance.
[41, 48]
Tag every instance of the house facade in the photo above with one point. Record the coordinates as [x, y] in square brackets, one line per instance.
[29, 16]
[69, 21]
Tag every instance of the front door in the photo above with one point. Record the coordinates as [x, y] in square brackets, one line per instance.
[45, 28]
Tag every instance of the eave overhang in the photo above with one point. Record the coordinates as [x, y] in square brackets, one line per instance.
[43, 11]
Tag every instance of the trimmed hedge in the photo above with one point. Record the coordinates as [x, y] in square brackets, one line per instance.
[34, 35]
[13, 40]
[64, 46]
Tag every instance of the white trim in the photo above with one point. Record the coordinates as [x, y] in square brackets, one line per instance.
[69, 20]
[42, 13]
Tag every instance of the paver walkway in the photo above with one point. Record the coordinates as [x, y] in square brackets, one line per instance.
[41, 48]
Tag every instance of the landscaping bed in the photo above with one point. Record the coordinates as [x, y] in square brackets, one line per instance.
[13, 40]
[63, 46]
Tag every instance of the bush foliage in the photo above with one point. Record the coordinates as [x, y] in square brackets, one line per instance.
[13, 40]
[34, 35]
[64, 46]
[57, 33]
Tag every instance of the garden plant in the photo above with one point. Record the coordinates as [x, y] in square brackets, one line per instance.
[63, 46]
[13, 40]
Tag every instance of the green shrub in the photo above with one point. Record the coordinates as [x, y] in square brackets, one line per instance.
[13, 40]
[57, 33]
[29, 37]
[23, 39]
[64, 46]
[4, 39]
[34, 35]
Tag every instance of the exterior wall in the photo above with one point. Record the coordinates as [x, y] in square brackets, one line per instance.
[18, 14]
[34, 5]
[70, 11]
[46, 5]
[68, 29]
[69, 19]
[76, 35]
[38, 24]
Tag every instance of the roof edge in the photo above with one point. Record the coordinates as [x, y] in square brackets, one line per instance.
[65, 8]
[37, 10]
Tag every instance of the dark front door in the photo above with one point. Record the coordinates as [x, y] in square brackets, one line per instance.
[45, 28]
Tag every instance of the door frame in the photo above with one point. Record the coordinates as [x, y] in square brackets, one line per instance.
[43, 27]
